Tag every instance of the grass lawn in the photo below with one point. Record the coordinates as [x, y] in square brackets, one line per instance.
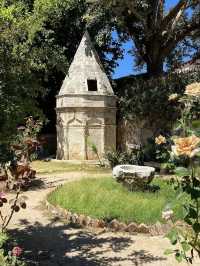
[43, 167]
[107, 199]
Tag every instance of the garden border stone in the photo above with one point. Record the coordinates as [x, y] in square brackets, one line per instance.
[114, 225]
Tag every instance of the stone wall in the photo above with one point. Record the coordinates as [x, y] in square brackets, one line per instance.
[79, 129]
[135, 132]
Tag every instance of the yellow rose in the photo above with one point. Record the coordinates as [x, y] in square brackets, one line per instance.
[160, 140]
[186, 146]
[193, 89]
[173, 97]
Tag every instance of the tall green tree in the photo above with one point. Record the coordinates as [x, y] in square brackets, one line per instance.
[65, 21]
[157, 33]
[17, 85]
[38, 40]
[21, 63]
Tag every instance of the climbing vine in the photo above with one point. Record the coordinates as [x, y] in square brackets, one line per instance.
[149, 99]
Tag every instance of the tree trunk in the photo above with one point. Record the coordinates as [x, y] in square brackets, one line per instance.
[155, 67]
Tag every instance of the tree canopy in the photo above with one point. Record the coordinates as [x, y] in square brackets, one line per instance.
[159, 35]
[38, 40]
[18, 88]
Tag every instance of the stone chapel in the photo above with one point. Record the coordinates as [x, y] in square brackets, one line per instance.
[86, 108]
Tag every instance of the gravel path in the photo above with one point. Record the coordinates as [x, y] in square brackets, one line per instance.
[48, 242]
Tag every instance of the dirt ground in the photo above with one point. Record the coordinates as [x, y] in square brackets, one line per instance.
[47, 241]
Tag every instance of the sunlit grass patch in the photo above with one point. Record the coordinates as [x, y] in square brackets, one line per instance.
[106, 199]
[43, 167]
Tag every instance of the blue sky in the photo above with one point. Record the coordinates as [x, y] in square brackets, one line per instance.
[126, 66]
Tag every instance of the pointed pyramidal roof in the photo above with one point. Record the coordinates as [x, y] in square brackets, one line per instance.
[85, 67]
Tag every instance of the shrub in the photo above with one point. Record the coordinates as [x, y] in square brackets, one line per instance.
[15, 169]
[15, 204]
[148, 99]
[15, 158]
[9, 257]
[188, 145]
[129, 157]
[157, 152]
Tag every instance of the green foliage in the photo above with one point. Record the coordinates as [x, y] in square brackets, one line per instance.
[148, 99]
[3, 259]
[181, 171]
[19, 86]
[175, 238]
[149, 150]
[168, 167]
[66, 20]
[106, 199]
[6, 256]
[3, 239]
[160, 35]
[8, 260]
[6, 154]
[156, 152]
[162, 153]
[26, 142]
[38, 40]
[189, 240]
[188, 123]
[195, 126]
[15, 157]
[94, 149]
[128, 157]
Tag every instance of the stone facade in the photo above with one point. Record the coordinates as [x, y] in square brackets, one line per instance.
[86, 108]
[134, 133]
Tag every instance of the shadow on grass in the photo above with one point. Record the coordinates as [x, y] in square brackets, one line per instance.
[57, 244]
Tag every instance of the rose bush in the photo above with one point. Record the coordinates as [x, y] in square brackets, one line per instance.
[160, 140]
[193, 89]
[187, 145]
[15, 159]
[16, 172]
[9, 257]
[17, 251]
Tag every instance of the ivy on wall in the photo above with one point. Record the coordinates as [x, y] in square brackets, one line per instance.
[148, 99]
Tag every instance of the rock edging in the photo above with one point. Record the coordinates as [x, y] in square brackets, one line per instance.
[114, 225]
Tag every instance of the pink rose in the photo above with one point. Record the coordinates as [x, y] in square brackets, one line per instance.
[17, 251]
[2, 195]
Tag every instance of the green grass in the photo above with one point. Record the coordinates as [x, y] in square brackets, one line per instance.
[107, 199]
[43, 167]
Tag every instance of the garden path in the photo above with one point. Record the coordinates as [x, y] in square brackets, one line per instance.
[48, 242]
